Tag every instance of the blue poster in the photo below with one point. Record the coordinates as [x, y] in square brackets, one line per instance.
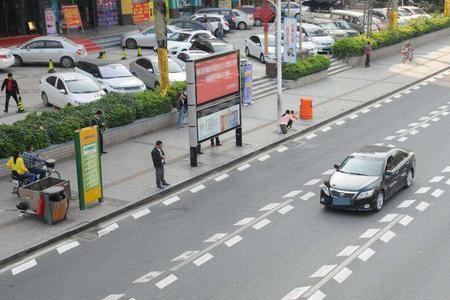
[247, 81]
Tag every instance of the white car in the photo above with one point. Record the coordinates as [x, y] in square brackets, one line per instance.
[214, 20]
[254, 46]
[181, 41]
[144, 38]
[111, 77]
[63, 89]
[6, 58]
[293, 9]
[244, 20]
[307, 44]
[414, 12]
[42, 49]
[318, 36]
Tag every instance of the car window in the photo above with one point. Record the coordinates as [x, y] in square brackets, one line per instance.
[254, 39]
[53, 45]
[179, 37]
[51, 80]
[213, 19]
[89, 68]
[356, 20]
[399, 156]
[183, 56]
[222, 47]
[36, 45]
[60, 85]
[328, 26]
[150, 31]
[145, 63]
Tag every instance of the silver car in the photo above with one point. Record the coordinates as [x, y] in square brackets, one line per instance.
[144, 38]
[147, 69]
[244, 20]
[42, 49]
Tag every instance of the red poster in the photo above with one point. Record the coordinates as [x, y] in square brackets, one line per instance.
[141, 12]
[72, 16]
[217, 77]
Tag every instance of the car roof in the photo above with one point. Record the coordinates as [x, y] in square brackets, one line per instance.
[376, 151]
[67, 76]
[208, 15]
[99, 62]
[320, 20]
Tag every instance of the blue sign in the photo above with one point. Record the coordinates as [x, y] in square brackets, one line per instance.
[247, 81]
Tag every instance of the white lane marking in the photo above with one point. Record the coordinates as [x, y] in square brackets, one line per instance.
[445, 113]
[369, 233]
[148, 277]
[406, 203]
[353, 116]
[388, 218]
[416, 87]
[184, 256]
[391, 146]
[311, 136]
[406, 220]
[379, 144]
[402, 139]
[443, 107]
[387, 236]
[141, 213]
[437, 193]
[413, 124]
[389, 100]
[166, 281]
[366, 254]
[406, 92]
[425, 125]
[435, 119]
[292, 194]
[216, 237]
[329, 172]
[313, 181]
[422, 206]
[269, 206]
[107, 229]
[439, 76]
[433, 112]
[365, 111]
[23, 267]
[389, 138]
[114, 297]
[307, 196]
[377, 105]
[436, 179]
[447, 182]
[243, 222]
[296, 293]
[243, 167]
[67, 246]
[233, 241]
[432, 79]
[261, 224]
[424, 83]
[286, 209]
[342, 275]
[340, 122]
[202, 259]
[264, 157]
[323, 270]
[423, 190]
[171, 200]
[282, 149]
[423, 118]
[396, 96]
[446, 170]
[317, 296]
[348, 251]
[328, 128]
[414, 132]
[221, 177]
[198, 188]
[401, 131]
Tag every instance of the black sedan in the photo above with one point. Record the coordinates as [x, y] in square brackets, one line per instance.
[367, 177]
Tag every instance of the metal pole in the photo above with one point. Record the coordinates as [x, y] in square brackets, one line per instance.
[393, 16]
[279, 77]
[266, 31]
[300, 40]
[160, 10]
[447, 8]
[192, 112]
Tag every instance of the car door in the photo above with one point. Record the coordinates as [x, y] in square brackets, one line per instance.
[147, 38]
[393, 173]
[147, 71]
[54, 50]
[61, 97]
[49, 88]
[33, 52]
[255, 46]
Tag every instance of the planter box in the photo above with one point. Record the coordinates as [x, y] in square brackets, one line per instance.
[291, 84]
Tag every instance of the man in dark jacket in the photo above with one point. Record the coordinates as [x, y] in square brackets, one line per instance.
[96, 121]
[12, 90]
[159, 160]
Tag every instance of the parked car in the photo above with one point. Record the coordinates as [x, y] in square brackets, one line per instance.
[318, 36]
[244, 20]
[42, 49]
[323, 5]
[415, 12]
[307, 44]
[258, 13]
[226, 12]
[6, 58]
[294, 9]
[65, 89]
[214, 20]
[111, 77]
[212, 46]
[382, 14]
[147, 69]
[343, 25]
[356, 19]
[144, 38]
[328, 26]
[183, 40]
[186, 24]
[254, 46]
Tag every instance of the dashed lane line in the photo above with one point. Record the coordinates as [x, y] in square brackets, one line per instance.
[318, 295]
[422, 206]
[366, 254]
[329, 172]
[423, 190]
[269, 206]
[325, 129]
[171, 200]
[67, 246]
[114, 297]
[197, 189]
[388, 218]
[323, 271]
[203, 259]
[307, 196]
[311, 136]
[348, 251]
[108, 229]
[446, 170]
[313, 181]
[243, 167]
[282, 149]
[261, 224]
[437, 193]
[406, 220]
[233, 241]
[166, 281]
[369, 233]
[264, 157]
[406, 203]
[387, 236]
[342, 275]
[425, 125]
[296, 293]
[286, 209]
[243, 221]
[390, 138]
[292, 194]
[402, 139]
[436, 179]
[148, 277]
[141, 213]
[216, 237]
[184, 256]
[221, 177]
[23, 267]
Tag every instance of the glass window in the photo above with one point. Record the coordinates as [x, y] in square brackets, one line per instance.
[222, 47]
[145, 63]
[179, 37]
[36, 45]
[418, 11]
[51, 80]
[53, 45]
[150, 31]
[114, 71]
[82, 86]
[173, 67]
[254, 39]
[399, 156]
[357, 165]
[316, 32]
[60, 85]
[328, 26]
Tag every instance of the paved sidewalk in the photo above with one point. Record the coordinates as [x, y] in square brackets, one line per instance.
[128, 171]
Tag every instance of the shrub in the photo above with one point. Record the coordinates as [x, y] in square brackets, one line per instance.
[306, 66]
[150, 104]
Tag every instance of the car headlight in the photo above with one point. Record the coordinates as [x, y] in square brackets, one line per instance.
[366, 194]
[325, 189]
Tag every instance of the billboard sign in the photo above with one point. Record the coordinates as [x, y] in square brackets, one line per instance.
[221, 119]
[290, 40]
[72, 16]
[50, 21]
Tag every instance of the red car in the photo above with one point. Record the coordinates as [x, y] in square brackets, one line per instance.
[259, 13]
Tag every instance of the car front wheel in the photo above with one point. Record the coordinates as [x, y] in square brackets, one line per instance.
[66, 62]
[131, 43]
[247, 52]
[18, 61]
[379, 202]
[258, 22]
[262, 58]
[409, 178]
[242, 26]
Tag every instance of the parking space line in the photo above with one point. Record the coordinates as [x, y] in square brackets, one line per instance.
[340, 122]
[107, 229]
[353, 116]
[446, 170]
[401, 131]
[377, 105]
[23, 267]
[365, 111]
[402, 139]
[67, 246]
[171, 200]
[311, 136]
[141, 213]
[436, 179]
[413, 124]
[425, 125]
[390, 138]
[221, 177]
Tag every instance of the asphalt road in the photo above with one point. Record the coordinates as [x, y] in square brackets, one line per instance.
[259, 232]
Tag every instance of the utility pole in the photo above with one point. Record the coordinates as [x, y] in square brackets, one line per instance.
[266, 30]
[160, 10]
[393, 16]
[300, 38]
[279, 75]
[447, 8]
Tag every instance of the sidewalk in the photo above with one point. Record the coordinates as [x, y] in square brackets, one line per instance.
[128, 173]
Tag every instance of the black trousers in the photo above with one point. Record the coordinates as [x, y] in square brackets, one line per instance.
[367, 61]
[9, 95]
[100, 141]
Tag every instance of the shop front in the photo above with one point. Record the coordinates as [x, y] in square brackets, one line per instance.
[19, 17]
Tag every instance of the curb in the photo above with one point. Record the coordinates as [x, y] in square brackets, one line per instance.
[173, 189]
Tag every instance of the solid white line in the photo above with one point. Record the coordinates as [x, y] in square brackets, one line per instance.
[353, 116]
[387, 236]
[264, 157]
[317, 296]
[313, 181]
[202, 259]
[437, 193]
[68, 246]
[221, 177]
[282, 149]
[148, 277]
[261, 224]
[311, 136]
[366, 254]
[389, 138]
[171, 200]
[402, 139]
[243, 167]
[328, 128]
[423, 118]
[292, 194]
[414, 132]
[413, 124]
[436, 179]
[243, 222]
[342, 275]
[388, 218]
[348, 251]
[286, 209]
[141, 213]
[166, 281]
[198, 188]
[329, 172]
[401, 131]
[406, 203]
[233, 241]
[365, 111]
[425, 125]
[184, 256]
[23, 267]
[107, 229]
[323, 270]
[423, 190]
[114, 297]
[307, 196]
[369, 233]
[215, 238]
[269, 206]
[406, 220]
[446, 170]
[340, 122]
[296, 293]
[422, 206]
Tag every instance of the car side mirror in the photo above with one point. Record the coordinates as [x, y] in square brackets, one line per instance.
[151, 70]
[388, 173]
[62, 91]
[336, 166]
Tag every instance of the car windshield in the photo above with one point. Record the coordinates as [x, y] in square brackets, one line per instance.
[418, 11]
[343, 25]
[316, 32]
[114, 71]
[173, 67]
[82, 86]
[362, 166]
[179, 37]
[328, 26]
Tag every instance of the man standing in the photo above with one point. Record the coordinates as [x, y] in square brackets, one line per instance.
[96, 121]
[33, 162]
[12, 90]
[159, 160]
[368, 53]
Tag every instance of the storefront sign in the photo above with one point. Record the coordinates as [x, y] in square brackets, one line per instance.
[218, 122]
[247, 81]
[290, 40]
[50, 21]
[107, 13]
[89, 173]
[72, 16]
[141, 11]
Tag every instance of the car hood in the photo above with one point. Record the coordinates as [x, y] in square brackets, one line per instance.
[180, 76]
[87, 97]
[350, 182]
[123, 82]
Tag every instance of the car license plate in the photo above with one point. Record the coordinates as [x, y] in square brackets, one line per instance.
[341, 201]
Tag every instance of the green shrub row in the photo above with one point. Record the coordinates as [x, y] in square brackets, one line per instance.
[354, 46]
[306, 66]
[55, 127]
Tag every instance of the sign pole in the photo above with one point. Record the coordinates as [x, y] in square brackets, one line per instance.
[192, 112]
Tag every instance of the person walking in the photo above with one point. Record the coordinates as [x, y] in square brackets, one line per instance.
[12, 90]
[368, 53]
[96, 121]
[34, 162]
[220, 31]
[182, 108]
[159, 160]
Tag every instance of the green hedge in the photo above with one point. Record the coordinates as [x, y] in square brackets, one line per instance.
[306, 66]
[354, 46]
[55, 127]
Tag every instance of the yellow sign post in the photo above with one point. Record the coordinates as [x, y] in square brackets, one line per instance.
[447, 8]
[160, 10]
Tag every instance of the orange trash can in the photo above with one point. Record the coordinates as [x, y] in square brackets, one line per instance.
[306, 110]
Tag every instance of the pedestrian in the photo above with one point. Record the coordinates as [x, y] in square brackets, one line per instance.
[291, 121]
[220, 31]
[182, 108]
[17, 165]
[207, 24]
[407, 52]
[368, 53]
[285, 118]
[12, 90]
[159, 160]
[34, 162]
[97, 121]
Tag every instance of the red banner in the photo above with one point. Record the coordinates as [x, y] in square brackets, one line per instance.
[217, 78]
[72, 16]
[141, 12]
